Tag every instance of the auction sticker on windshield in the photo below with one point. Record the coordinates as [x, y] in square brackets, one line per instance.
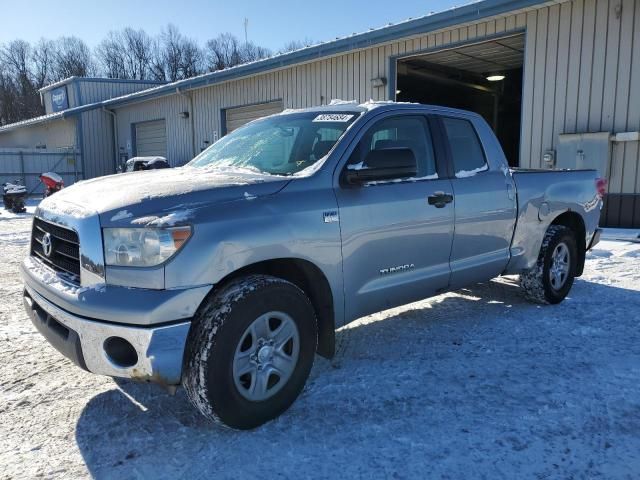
[333, 117]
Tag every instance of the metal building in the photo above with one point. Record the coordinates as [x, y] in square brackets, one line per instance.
[75, 142]
[565, 90]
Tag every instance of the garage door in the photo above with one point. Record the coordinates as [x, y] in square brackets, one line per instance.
[151, 139]
[238, 116]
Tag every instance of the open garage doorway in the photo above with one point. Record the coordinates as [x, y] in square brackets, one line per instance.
[485, 78]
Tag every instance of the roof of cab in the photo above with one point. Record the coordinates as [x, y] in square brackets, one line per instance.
[371, 105]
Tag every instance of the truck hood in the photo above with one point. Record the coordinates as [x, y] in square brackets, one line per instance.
[122, 198]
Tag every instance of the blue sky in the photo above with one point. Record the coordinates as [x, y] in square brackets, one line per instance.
[271, 23]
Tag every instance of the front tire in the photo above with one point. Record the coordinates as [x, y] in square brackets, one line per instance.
[551, 278]
[249, 351]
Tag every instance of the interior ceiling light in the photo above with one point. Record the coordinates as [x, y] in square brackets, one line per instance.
[495, 78]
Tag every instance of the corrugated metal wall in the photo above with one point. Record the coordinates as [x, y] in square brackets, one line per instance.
[94, 91]
[582, 74]
[179, 150]
[345, 76]
[97, 125]
[54, 134]
[97, 145]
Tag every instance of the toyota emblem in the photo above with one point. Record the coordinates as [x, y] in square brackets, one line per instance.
[47, 245]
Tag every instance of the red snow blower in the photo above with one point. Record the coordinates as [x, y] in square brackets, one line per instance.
[53, 183]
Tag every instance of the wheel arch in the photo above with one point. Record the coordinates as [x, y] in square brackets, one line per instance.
[575, 223]
[312, 281]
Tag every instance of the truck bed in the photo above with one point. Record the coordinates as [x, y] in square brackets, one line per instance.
[542, 196]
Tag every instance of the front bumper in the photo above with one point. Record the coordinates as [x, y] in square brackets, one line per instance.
[78, 320]
[159, 349]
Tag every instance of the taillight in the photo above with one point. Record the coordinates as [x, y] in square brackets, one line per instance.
[601, 186]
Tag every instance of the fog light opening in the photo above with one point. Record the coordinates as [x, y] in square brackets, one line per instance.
[120, 352]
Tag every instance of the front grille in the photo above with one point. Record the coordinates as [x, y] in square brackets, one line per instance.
[65, 248]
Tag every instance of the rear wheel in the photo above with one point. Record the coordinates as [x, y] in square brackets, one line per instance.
[550, 280]
[250, 351]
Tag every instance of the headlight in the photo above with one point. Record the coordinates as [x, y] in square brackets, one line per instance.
[142, 247]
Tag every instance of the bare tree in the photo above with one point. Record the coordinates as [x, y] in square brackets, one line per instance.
[110, 55]
[192, 59]
[296, 45]
[171, 45]
[176, 56]
[15, 58]
[139, 48]
[9, 107]
[127, 53]
[157, 64]
[72, 57]
[250, 52]
[17, 83]
[222, 52]
[42, 62]
[226, 51]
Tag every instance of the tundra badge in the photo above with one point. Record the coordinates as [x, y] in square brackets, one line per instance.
[399, 268]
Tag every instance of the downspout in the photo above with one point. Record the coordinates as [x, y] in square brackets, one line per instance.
[191, 121]
[80, 131]
[114, 136]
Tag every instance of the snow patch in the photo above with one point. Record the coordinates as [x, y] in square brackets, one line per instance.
[121, 215]
[632, 253]
[597, 253]
[471, 173]
[400, 180]
[377, 381]
[53, 176]
[64, 208]
[144, 220]
[171, 219]
[337, 101]
[47, 276]
[357, 166]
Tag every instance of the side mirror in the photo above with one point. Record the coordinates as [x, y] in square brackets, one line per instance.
[383, 164]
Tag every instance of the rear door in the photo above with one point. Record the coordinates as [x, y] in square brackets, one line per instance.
[395, 244]
[485, 204]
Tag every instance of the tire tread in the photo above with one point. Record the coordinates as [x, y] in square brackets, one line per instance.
[202, 338]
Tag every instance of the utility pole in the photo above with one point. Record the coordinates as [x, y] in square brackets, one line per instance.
[246, 28]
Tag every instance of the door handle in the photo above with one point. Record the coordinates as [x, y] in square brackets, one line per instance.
[439, 199]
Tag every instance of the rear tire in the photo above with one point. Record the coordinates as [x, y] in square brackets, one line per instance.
[249, 351]
[551, 278]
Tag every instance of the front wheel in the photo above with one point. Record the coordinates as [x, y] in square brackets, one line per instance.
[249, 351]
[551, 278]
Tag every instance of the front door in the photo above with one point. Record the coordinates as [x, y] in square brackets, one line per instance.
[395, 244]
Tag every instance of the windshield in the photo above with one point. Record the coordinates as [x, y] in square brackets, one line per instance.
[278, 145]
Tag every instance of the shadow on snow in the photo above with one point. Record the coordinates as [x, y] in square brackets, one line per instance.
[479, 382]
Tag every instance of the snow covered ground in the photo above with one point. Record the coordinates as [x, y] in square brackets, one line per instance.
[473, 384]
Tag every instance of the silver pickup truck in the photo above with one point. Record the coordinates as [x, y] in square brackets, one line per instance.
[228, 275]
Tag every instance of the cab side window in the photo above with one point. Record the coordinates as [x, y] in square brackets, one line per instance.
[410, 132]
[466, 151]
